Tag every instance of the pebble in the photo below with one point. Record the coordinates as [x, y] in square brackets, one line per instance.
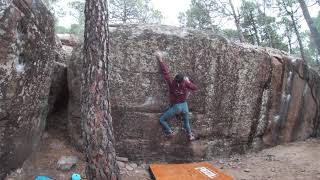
[133, 165]
[56, 145]
[144, 166]
[123, 159]
[121, 164]
[45, 135]
[143, 172]
[270, 157]
[19, 171]
[247, 170]
[128, 167]
[65, 163]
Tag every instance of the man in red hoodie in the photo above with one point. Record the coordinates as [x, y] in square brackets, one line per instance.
[178, 89]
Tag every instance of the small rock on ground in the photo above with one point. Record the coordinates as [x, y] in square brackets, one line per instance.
[65, 163]
[128, 167]
[122, 159]
[121, 164]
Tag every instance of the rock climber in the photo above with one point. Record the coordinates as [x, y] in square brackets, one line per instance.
[178, 89]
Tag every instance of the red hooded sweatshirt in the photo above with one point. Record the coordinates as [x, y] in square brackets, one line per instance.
[178, 92]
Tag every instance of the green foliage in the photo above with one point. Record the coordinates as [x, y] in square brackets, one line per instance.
[251, 14]
[133, 11]
[230, 34]
[198, 16]
[317, 21]
[288, 33]
[311, 50]
[49, 3]
[77, 29]
[61, 29]
[259, 28]
[208, 14]
[77, 11]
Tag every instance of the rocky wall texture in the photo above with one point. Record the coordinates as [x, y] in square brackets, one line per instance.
[74, 104]
[248, 98]
[27, 45]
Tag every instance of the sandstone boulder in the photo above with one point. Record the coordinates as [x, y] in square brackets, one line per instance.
[27, 44]
[249, 97]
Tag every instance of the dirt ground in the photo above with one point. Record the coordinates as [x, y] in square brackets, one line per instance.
[293, 161]
[44, 161]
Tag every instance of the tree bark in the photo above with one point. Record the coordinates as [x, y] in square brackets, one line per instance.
[295, 27]
[313, 29]
[124, 17]
[290, 44]
[95, 106]
[237, 22]
[255, 29]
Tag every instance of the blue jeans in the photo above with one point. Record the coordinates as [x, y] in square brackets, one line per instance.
[171, 112]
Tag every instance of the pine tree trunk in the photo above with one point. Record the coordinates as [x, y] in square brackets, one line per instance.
[295, 27]
[290, 44]
[313, 29]
[124, 17]
[256, 34]
[96, 118]
[237, 22]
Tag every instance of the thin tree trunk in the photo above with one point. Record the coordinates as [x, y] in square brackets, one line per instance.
[256, 34]
[95, 106]
[295, 27]
[271, 40]
[237, 22]
[124, 18]
[290, 44]
[265, 25]
[294, 24]
[313, 29]
[251, 37]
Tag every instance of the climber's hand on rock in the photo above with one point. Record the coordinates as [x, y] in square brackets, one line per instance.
[186, 79]
[159, 56]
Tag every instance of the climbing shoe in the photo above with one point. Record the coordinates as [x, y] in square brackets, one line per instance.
[191, 137]
[170, 134]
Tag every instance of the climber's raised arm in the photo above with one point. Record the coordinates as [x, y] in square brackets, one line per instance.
[163, 67]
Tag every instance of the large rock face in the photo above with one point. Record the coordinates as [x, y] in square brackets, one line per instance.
[249, 97]
[26, 61]
[74, 104]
